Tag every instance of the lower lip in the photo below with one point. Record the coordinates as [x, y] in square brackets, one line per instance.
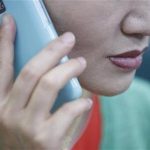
[127, 63]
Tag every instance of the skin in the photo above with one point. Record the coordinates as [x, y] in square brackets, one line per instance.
[103, 28]
[108, 28]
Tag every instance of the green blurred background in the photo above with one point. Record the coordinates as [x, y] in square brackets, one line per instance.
[144, 70]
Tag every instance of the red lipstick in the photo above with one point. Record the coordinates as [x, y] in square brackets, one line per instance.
[130, 54]
[130, 60]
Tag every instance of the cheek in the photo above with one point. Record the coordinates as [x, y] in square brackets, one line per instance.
[95, 32]
[101, 78]
[89, 28]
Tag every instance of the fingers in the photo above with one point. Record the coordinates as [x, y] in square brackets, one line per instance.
[43, 62]
[7, 37]
[65, 116]
[46, 91]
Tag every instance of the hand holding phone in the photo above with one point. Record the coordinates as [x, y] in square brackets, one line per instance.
[24, 106]
[35, 30]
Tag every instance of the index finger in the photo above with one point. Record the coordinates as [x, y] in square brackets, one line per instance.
[7, 37]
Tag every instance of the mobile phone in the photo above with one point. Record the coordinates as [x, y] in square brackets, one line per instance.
[35, 30]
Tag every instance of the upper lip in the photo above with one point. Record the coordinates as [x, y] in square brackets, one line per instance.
[130, 54]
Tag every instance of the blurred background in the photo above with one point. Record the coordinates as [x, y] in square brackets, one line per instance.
[144, 70]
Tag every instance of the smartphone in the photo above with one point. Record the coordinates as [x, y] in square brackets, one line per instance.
[34, 31]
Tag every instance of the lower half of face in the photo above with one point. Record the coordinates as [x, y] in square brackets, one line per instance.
[96, 26]
[102, 76]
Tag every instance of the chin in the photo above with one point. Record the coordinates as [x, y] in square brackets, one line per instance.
[112, 90]
[110, 87]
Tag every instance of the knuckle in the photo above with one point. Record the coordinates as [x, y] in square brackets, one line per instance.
[49, 82]
[9, 118]
[26, 128]
[5, 62]
[6, 121]
[4, 37]
[5, 40]
[29, 73]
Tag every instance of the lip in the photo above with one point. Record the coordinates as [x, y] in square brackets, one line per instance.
[129, 60]
[129, 54]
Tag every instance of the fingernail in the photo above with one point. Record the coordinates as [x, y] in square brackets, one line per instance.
[68, 37]
[90, 102]
[6, 19]
[82, 61]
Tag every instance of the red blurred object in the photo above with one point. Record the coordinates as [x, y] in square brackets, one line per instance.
[91, 137]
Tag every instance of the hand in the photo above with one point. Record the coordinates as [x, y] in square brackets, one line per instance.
[25, 120]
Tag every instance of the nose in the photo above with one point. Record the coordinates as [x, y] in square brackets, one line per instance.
[137, 22]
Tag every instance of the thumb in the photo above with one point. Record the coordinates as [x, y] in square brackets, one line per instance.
[7, 37]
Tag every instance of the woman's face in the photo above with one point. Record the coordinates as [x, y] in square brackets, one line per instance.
[104, 29]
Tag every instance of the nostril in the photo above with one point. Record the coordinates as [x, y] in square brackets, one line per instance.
[138, 36]
[134, 35]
